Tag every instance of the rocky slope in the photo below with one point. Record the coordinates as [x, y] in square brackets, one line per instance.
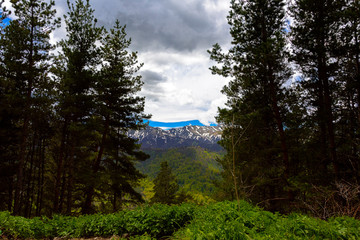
[206, 137]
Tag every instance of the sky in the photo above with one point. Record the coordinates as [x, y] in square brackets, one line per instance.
[167, 125]
[172, 38]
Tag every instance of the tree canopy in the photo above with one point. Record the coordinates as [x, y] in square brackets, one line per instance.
[290, 139]
[64, 117]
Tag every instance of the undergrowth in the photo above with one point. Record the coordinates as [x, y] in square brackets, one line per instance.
[214, 221]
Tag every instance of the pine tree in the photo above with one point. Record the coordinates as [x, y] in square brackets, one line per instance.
[316, 46]
[165, 185]
[75, 73]
[348, 92]
[8, 129]
[254, 135]
[25, 62]
[118, 110]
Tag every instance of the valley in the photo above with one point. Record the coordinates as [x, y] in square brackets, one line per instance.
[191, 152]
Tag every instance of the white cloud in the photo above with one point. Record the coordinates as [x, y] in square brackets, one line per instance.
[189, 91]
[171, 38]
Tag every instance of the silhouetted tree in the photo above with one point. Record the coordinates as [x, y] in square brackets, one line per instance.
[256, 113]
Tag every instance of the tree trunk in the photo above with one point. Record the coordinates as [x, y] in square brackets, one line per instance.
[60, 167]
[233, 164]
[96, 166]
[22, 155]
[30, 182]
[328, 116]
[276, 111]
[280, 126]
[69, 202]
[40, 177]
[20, 172]
[324, 82]
[114, 202]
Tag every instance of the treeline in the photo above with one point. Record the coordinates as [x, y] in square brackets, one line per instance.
[292, 142]
[64, 116]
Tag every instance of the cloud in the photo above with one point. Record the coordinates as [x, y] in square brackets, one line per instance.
[166, 24]
[171, 38]
[153, 89]
[152, 79]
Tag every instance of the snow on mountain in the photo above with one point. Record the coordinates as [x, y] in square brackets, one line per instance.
[203, 136]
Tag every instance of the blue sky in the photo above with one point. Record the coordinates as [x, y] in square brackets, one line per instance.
[6, 20]
[175, 124]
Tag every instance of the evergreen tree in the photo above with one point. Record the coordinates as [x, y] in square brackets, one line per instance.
[75, 74]
[118, 110]
[348, 93]
[165, 185]
[64, 143]
[8, 129]
[25, 62]
[316, 50]
[254, 135]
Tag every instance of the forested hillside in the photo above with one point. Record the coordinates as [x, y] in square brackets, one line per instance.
[195, 168]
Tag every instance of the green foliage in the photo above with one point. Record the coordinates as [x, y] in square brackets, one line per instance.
[195, 168]
[146, 187]
[223, 221]
[156, 221]
[214, 221]
[165, 185]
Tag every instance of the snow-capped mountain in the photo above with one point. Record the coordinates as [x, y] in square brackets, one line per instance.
[203, 136]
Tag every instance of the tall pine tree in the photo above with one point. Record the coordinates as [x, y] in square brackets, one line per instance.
[316, 46]
[348, 92]
[25, 63]
[118, 110]
[254, 135]
[75, 74]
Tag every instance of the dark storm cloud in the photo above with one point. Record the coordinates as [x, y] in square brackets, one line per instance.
[152, 79]
[151, 84]
[162, 24]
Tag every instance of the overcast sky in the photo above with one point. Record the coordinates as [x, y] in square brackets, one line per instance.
[172, 38]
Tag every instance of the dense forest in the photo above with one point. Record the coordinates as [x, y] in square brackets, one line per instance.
[293, 111]
[64, 116]
[291, 124]
[195, 168]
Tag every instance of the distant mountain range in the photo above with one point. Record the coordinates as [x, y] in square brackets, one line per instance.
[191, 152]
[206, 137]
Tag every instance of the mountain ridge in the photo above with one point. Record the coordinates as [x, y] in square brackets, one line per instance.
[206, 137]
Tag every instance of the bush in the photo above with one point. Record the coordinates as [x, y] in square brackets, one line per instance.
[155, 221]
[220, 220]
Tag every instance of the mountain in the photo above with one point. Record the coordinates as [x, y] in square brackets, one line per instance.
[191, 152]
[206, 137]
